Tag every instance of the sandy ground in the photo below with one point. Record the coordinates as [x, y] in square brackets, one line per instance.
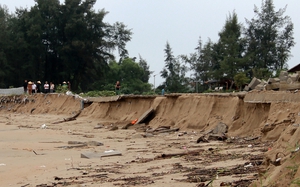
[262, 148]
[36, 152]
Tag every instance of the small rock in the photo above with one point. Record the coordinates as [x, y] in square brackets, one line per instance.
[137, 136]
[44, 126]
[113, 128]
[99, 126]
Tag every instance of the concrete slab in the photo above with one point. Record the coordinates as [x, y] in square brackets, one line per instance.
[272, 97]
[295, 86]
[99, 155]
[254, 82]
[272, 80]
[259, 87]
[294, 77]
[273, 86]
[146, 114]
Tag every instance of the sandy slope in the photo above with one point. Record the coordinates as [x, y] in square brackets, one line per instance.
[31, 156]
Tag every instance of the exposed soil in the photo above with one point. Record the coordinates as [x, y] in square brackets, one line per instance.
[42, 138]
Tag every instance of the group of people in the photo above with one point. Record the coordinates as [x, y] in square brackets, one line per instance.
[31, 87]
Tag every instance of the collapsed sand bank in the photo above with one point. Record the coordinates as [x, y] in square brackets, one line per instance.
[21, 119]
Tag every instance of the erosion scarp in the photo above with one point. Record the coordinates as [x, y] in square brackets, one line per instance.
[273, 118]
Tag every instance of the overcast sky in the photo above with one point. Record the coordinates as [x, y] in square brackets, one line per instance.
[180, 22]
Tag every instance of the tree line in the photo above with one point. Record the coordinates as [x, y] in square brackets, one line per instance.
[67, 42]
[260, 49]
[71, 42]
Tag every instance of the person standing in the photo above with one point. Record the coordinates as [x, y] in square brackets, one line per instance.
[33, 88]
[117, 87]
[51, 87]
[29, 87]
[69, 85]
[38, 87]
[64, 85]
[25, 86]
[46, 87]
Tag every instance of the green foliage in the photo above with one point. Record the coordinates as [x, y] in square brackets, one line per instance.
[262, 73]
[231, 47]
[104, 93]
[58, 42]
[71, 41]
[149, 93]
[133, 77]
[61, 89]
[146, 72]
[269, 39]
[261, 51]
[174, 73]
[296, 181]
[241, 79]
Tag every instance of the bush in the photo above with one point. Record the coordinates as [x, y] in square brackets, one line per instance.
[136, 93]
[149, 93]
[96, 93]
[61, 89]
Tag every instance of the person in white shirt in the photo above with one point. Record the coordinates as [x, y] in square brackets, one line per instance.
[33, 88]
[46, 87]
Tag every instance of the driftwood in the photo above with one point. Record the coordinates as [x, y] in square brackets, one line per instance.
[251, 138]
[213, 137]
[165, 131]
[72, 146]
[194, 152]
[162, 129]
[37, 153]
[202, 139]
[78, 144]
[68, 119]
[32, 110]
[89, 143]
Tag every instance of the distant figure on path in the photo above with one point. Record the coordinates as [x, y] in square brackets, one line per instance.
[117, 87]
[25, 86]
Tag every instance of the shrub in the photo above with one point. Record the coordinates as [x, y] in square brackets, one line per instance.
[96, 93]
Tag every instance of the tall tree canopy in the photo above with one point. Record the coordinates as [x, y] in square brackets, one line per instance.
[70, 41]
[261, 49]
[174, 72]
[231, 48]
[269, 37]
[4, 42]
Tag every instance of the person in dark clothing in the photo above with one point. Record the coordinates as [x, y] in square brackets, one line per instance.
[117, 87]
[69, 85]
[38, 87]
[25, 86]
